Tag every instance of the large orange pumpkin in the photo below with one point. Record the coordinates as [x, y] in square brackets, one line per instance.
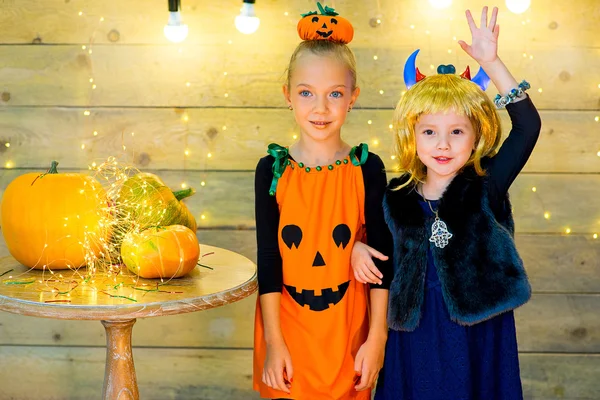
[325, 26]
[53, 220]
[161, 252]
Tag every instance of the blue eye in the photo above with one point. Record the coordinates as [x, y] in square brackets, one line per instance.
[336, 94]
[304, 93]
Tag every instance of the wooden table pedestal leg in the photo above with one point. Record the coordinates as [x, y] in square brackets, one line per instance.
[119, 376]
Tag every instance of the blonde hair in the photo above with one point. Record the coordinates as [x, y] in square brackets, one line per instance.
[339, 51]
[444, 93]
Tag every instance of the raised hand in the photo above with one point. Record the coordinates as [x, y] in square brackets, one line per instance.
[484, 46]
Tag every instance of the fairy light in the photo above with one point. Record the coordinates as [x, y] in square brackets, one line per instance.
[568, 231]
[225, 73]
[597, 118]
[183, 185]
[203, 217]
[82, 146]
[369, 122]
[185, 118]
[375, 58]
[83, 47]
[86, 113]
[7, 144]
[595, 236]
[224, 127]
[431, 66]
[540, 90]
[95, 133]
[188, 84]
[598, 154]
[547, 215]
[226, 94]
[186, 152]
[80, 13]
[412, 27]
[295, 137]
[381, 91]
[209, 155]
[534, 189]
[202, 183]
[9, 164]
[393, 157]
[391, 126]
[375, 142]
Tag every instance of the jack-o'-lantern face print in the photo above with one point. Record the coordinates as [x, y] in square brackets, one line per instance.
[325, 27]
[315, 264]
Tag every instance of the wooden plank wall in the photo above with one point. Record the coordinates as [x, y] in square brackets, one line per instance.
[218, 93]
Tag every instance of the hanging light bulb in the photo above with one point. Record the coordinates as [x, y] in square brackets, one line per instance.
[518, 6]
[175, 30]
[440, 4]
[247, 22]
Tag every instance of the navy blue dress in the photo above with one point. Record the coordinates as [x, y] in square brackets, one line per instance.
[440, 359]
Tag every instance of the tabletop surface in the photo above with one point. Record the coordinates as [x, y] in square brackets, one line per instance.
[66, 294]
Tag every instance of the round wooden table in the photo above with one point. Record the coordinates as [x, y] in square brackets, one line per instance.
[117, 299]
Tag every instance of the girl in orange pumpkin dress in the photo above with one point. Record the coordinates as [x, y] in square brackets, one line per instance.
[319, 334]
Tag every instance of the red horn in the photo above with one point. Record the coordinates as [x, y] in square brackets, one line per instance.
[420, 76]
[466, 74]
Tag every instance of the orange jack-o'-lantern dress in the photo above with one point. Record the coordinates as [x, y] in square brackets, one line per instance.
[323, 312]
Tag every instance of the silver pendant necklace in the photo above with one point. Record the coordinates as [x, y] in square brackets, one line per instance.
[440, 235]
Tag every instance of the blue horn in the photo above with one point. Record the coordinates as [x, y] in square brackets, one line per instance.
[410, 70]
[481, 79]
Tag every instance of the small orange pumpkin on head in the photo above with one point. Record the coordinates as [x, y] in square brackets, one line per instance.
[326, 25]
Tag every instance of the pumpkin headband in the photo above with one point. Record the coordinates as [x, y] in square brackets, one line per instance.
[325, 24]
[412, 74]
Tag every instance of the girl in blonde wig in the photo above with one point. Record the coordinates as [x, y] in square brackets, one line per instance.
[457, 274]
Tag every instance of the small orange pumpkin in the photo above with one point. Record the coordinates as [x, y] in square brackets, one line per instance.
[327, 25]
[161, 252]
[53, 220]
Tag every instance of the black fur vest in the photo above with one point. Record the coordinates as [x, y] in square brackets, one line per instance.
[480, 271]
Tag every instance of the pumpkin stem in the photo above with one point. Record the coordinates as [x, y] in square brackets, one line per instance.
[182, 194]
[53, 169]
[321, 8]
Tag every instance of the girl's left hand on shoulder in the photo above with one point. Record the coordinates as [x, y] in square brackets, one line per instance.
[368, 362]
[484, 46]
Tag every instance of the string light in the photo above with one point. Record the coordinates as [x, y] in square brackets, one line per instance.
[209, 155]
[175, 30]
[295, 137]
[203, 217]
[7, 144]
[86, 113]
[381, 91]
[202, 183]
[540, 90]
[568, 231]
[518, 6]
[369, 122]
[597, 118]
[391, 126]
[547, 215]
[183, 185]
[595, 236]
[247, 22]
[9, 164]
[375, 58]
[224, 127]
[375, 142]
[534, 189]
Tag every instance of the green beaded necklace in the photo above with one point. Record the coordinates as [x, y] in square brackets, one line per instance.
[281, 155]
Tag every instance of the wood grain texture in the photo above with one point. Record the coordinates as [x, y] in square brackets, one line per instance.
[237, 138]
[46, 373]
[161, 76]
[124, 297]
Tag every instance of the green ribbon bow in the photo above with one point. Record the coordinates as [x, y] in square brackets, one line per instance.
[364, 153]
[281, 155]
